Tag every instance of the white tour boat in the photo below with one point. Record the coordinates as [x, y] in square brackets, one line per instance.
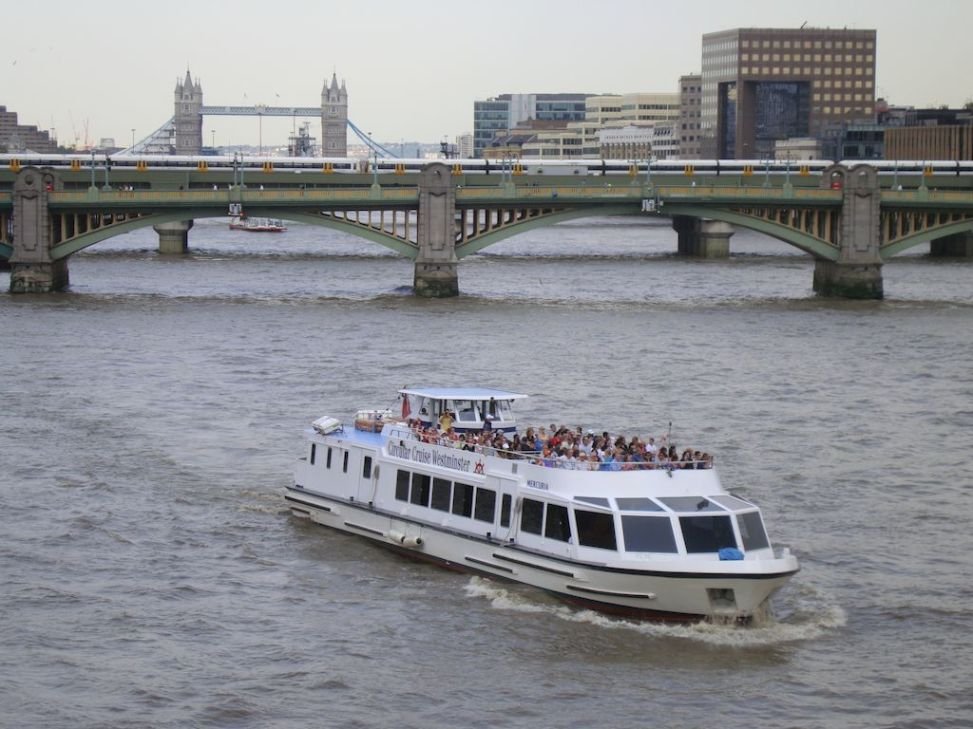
[257, 225]
[647, 540]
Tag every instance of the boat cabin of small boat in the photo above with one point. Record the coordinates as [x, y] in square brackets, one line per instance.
[663, 540]
[257, 225]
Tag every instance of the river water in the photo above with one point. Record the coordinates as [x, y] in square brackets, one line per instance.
[150, 575]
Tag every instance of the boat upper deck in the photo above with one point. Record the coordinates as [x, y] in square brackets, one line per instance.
[399, 442]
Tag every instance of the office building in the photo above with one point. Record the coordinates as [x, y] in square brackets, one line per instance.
[760, 85]
[690, 103]
[497, 116]
[16, 137]
[928, 134]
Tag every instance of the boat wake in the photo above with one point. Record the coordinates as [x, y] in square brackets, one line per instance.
[807, 616]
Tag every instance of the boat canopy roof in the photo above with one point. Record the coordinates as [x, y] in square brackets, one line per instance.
[462, 393]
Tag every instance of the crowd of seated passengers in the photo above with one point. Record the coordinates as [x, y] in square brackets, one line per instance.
[562, 447]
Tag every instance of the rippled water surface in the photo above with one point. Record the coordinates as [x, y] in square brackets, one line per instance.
[151, 576]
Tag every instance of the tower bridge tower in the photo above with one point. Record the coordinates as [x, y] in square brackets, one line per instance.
[188, 116]
[334, 119]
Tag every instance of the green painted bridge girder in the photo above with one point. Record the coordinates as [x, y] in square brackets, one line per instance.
[360, 197]
[804, 242]
[923, 236]
[573, 201]
[485, 240]
[86, 240]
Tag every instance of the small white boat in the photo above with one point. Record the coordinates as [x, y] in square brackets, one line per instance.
[655, 540]
[257, 225]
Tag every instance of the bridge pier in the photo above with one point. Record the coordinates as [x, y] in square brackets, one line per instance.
[700, 238]
[173, 237]
[958, 245]
[857, 273]
[435, 266]
[32, 268]
[848, 281]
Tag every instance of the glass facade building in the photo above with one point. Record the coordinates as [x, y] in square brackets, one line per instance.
[502, 113]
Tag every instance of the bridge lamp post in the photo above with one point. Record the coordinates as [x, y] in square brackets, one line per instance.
[374, 161]
[238, 168]
[93, 185]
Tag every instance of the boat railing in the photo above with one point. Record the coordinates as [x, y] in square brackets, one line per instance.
[550, 460]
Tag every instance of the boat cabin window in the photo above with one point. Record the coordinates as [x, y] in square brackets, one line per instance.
[596, 500]
[344, 463]
[707, 533]
[366, 468]
[638, 504]
[505, 510]
[690, 503]
[752, 530]
[648, 534]
[731, 503]
[595, 529]
[421, 488]
[532, 516]
[462, 499]
[441, 488]
[486, 505]
[328, 462]
[465, 411]
[402, 485]
[556, 525]
[313, 449]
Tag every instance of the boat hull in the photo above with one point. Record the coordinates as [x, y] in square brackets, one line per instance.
[658, 591]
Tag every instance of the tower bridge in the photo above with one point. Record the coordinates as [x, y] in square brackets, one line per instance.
[844, 218]
[183, 133]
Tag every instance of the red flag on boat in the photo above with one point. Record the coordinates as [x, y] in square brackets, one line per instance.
[406, 410]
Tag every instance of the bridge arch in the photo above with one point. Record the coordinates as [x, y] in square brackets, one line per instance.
[479, 242]
[807, 243]
[926, 235]
[86, 240]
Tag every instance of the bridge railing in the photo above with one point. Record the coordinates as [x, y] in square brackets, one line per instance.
[549, 192]
[757, 194]
[923, 197]
[233, 195]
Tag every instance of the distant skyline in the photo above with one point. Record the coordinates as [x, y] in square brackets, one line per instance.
[413, 70]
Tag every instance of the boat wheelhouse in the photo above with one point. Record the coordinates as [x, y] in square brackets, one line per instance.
[471, 409]
[639, 539]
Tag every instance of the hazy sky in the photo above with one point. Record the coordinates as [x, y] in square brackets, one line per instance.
[413, 69]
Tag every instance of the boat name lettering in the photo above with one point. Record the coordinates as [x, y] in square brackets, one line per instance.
[418, 454]
[542, 485]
